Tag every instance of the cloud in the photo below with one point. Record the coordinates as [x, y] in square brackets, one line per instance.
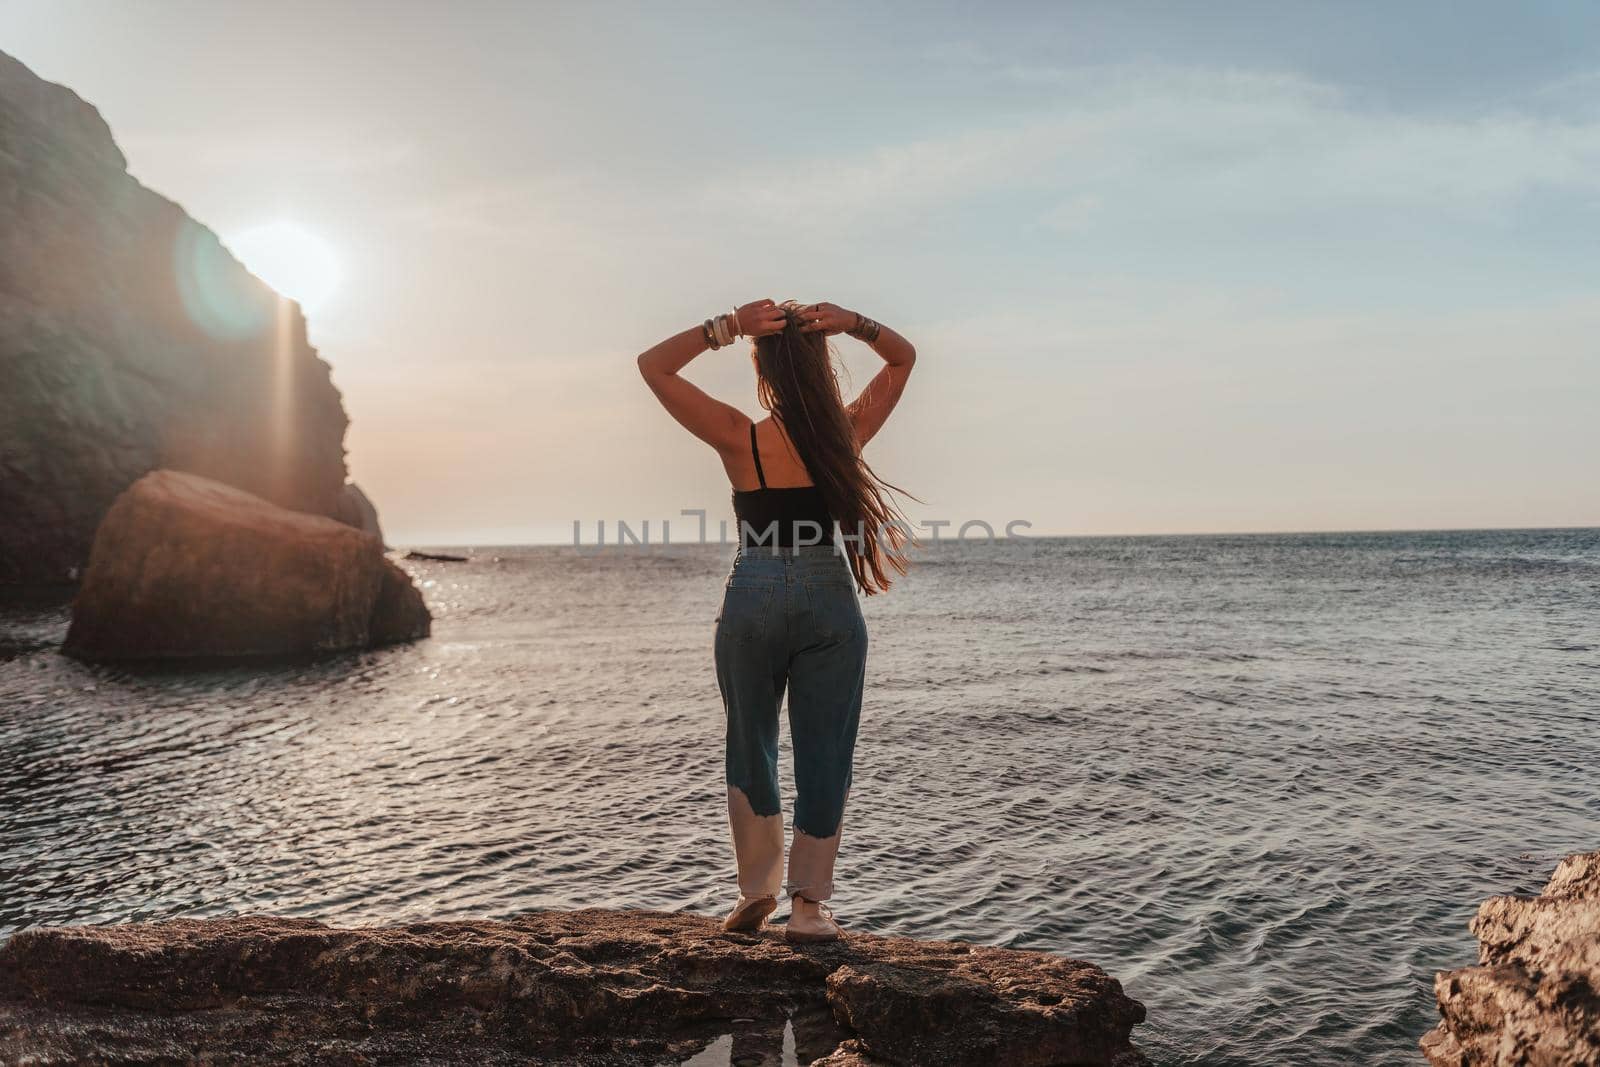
[1169, 142]
[1074, 213]
[278, 152]
[1576, 93]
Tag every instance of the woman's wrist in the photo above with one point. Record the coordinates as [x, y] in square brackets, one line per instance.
[722, 330]
[864, 329]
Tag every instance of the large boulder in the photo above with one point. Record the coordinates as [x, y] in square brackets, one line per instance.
[622, 989]
[130, 340]
[1534, 998]
[186, 567]
[356, 509]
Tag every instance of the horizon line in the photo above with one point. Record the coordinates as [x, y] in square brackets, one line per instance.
[396, 544]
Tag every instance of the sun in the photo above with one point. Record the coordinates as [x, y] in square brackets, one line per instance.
[292, 259]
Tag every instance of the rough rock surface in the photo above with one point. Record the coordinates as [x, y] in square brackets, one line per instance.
[356, 509]
[186, 567]
[130, 339]
[399, 613]
[580, 987]
[1535, 996]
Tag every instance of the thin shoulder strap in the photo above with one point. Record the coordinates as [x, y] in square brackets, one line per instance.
[755, 454]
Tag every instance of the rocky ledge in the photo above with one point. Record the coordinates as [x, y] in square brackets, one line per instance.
[619, 989]
[1534, 998]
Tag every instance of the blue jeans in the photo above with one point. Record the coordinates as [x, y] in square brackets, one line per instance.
[790, 620]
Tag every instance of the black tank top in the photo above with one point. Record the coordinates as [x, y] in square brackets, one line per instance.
[759, 509]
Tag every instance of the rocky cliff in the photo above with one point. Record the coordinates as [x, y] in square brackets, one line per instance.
[1534, 998]
[603, 988]
[130, 339]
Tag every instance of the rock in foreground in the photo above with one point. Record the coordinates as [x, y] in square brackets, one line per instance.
[1535, 997]
[598, 987]
[186, 567]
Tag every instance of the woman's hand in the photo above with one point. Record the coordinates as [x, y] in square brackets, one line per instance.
[828, 318]
[760, 318]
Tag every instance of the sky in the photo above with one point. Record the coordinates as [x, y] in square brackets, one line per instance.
[1168, 267]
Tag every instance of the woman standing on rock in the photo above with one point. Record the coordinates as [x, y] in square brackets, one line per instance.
[815, 524]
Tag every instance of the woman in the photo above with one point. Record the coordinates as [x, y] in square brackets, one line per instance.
[815, 523]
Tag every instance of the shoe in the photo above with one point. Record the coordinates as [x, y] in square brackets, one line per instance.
[811, 937]
[750, 915]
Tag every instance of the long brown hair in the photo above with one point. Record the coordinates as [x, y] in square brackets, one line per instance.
[797, 382]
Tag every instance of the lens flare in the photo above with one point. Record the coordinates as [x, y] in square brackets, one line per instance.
[292, 259]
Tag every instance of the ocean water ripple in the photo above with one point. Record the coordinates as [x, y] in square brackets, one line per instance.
[1264, 780]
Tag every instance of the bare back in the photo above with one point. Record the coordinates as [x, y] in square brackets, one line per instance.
[779, 462]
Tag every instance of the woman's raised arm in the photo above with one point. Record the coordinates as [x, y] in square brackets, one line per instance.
[870, 410]
[722, 426]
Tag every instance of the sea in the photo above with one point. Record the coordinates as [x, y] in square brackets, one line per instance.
[1263, 780]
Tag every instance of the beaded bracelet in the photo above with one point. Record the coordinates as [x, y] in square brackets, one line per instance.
[709, 334]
